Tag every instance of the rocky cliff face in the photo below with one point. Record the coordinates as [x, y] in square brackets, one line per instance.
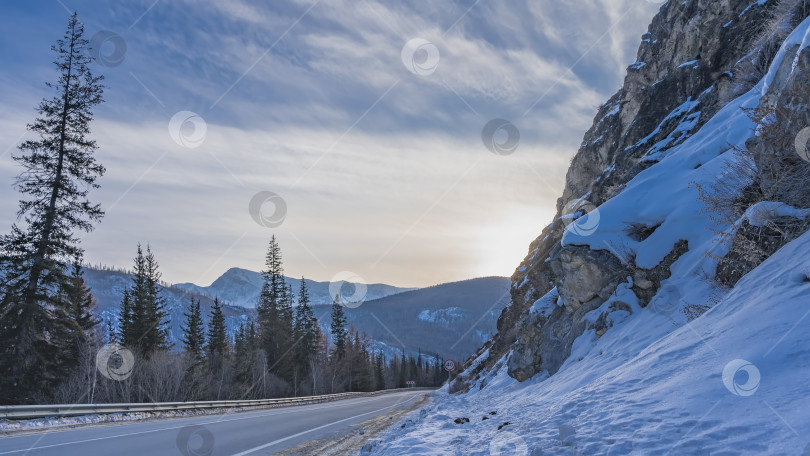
[689, 64]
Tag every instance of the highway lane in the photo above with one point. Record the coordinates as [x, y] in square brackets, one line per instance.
[239, 434]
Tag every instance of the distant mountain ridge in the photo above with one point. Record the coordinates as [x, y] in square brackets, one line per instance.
[241, 287]
[450, 319]
[108, 288]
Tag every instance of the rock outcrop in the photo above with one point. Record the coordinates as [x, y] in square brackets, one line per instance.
[689, 64]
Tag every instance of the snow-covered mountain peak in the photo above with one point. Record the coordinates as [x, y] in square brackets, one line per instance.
[241, 287]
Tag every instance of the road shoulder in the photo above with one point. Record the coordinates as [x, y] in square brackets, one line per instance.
[350, 442]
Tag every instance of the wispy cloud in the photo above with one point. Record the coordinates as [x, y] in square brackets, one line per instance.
[309, 91]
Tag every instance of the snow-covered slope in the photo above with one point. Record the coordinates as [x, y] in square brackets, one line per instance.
[650, 387]
[657, 378]
[241, 287]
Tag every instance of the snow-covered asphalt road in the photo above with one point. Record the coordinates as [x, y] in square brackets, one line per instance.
[250, 433]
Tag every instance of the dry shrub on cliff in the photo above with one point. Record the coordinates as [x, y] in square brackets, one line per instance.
[459, 385]
[771, 168]
[771, 33]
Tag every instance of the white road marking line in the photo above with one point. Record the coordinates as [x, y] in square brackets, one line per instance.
[275, 442]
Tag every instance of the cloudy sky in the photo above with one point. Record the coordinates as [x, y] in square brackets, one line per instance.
[364, 117]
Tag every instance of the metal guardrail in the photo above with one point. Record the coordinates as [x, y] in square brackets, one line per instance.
[24, 412]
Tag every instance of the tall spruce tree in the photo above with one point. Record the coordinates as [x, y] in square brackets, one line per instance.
[242, 354]
[217, 336]
[156, 317]
[379, 372]
[193, 334]
[252, 336]
[305, 327]
[193, 347]
[286, 336]
[361, 374]
[144, 325]
[81, 302]
[273, 291]
[338, 328]
[126, 318]
[305, 334]
[36, 329]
